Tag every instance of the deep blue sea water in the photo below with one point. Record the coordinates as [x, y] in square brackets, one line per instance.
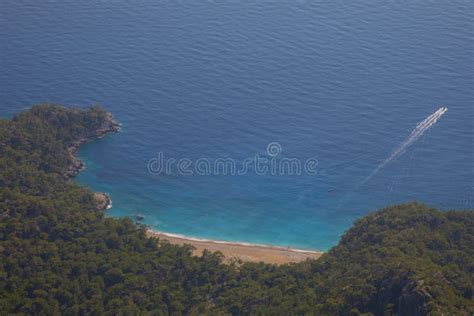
[343, 82]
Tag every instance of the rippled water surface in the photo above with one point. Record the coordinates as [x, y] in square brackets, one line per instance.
[343, 82]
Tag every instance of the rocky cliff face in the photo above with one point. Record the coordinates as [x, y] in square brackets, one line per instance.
[414, 299]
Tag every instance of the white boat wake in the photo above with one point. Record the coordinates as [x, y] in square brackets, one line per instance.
[419, 130]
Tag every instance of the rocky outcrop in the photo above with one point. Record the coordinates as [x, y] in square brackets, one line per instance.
[75, 165]
[103, 201]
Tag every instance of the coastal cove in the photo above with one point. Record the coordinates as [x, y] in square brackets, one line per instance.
[232, 251]
[54, 231]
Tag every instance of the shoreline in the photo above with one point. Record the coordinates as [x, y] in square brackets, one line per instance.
[217, 241]
[240, 250]
[103, 200]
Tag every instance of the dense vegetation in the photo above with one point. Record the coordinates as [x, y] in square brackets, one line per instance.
[60, 256]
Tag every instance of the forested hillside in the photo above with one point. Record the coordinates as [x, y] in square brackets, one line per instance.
[59, 255]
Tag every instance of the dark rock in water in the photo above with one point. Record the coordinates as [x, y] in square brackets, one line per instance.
[139, 218]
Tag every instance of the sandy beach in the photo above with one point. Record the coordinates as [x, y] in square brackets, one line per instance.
[245, 252]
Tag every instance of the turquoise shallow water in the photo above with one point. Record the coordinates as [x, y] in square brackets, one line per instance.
[343, 82]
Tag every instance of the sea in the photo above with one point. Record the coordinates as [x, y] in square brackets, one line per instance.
[260, 121]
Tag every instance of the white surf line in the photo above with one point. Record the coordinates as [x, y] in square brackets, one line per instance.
[419, 130]
[232, 243]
